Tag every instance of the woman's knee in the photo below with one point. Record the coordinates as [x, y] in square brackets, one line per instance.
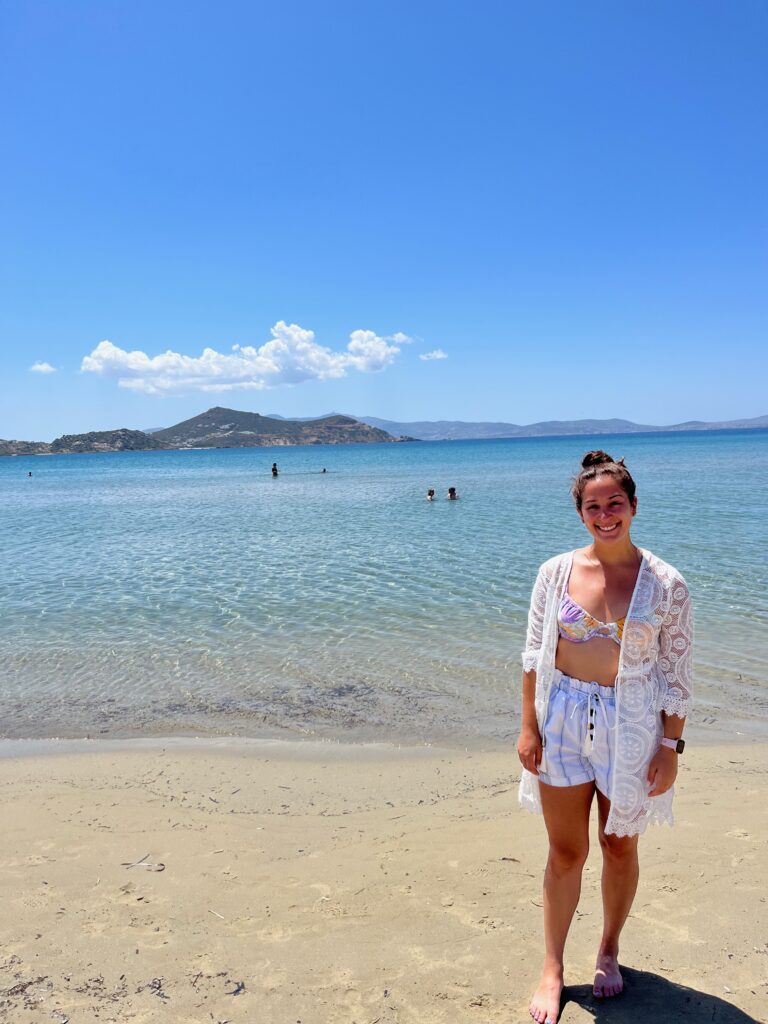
[619, 849]
[567, 857]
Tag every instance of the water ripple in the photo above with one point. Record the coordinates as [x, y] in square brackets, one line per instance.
[160, 592]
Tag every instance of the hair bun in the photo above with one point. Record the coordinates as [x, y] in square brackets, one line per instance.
[597, 458]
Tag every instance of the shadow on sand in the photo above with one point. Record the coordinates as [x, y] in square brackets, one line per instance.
[654, 998]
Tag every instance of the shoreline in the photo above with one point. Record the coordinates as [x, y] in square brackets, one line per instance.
[346, 747]
[338, 882]
[284, 748]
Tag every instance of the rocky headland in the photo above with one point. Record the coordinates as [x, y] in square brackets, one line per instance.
[216, 428]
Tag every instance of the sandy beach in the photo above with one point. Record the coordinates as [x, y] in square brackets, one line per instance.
[315, 882]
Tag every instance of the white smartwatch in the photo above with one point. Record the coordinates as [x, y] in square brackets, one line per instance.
[677, 745]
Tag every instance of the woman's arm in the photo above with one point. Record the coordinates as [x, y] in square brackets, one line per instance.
[529, 742]
[662, 770]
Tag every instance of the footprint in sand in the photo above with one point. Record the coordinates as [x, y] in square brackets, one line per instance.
[738, 833]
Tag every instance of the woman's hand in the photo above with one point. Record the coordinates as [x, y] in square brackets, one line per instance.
[662, 771]
[529, 749]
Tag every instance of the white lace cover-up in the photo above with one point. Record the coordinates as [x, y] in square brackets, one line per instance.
[654, 676]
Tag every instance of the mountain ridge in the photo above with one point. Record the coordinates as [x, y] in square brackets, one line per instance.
[229, 428]
[460, 430]
[216, 428]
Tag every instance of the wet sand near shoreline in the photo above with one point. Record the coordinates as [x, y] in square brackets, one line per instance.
[284, 881]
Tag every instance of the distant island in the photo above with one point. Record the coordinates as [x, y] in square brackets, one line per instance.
[456, 430]
[228, 428]
[216, 428]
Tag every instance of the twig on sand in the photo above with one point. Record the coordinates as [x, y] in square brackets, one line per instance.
[238, 989]
[132, 864]
[217, 915]
[144, 863]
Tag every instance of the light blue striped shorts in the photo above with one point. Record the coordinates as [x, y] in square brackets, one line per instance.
[578, 735]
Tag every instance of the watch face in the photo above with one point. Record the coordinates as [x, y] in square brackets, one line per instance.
[680, 746]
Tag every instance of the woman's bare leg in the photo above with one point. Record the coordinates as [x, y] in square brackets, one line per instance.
[619, 884]
[566, 815]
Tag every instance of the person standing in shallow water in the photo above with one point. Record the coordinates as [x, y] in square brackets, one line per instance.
[606, 690]
[274, 469]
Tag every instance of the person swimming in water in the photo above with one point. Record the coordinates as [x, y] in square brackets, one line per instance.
[431, 494]
[274, 469]
[452, 495]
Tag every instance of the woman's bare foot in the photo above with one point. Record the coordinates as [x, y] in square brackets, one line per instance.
[545, 1005]
[608, 979]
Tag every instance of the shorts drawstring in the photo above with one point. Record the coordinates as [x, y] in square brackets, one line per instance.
[593, 702]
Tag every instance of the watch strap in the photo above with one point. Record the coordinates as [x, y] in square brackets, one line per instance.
[677, 745]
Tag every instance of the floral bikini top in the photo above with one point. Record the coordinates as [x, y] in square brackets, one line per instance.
[578, 626]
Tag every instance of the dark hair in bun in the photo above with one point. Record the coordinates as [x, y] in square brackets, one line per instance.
[597, 464]
[595, 459]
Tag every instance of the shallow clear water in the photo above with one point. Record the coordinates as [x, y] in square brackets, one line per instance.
[165, 592]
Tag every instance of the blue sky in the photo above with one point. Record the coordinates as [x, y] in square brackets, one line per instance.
[563, 205]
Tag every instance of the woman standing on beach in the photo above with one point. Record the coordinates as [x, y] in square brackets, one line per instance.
[606, 689]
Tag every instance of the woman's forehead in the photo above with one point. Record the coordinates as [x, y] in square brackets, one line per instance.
[603, 487]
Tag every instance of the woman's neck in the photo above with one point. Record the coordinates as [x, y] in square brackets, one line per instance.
[625, 554]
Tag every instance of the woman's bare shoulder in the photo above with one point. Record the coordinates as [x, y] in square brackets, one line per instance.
[552, 565]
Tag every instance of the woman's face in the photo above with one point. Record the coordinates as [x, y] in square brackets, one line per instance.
[606, 511]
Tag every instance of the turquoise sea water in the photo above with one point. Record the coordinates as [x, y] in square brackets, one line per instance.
[189, 592]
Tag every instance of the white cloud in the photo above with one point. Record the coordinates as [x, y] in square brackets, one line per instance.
[39, 367]
[290, 357]
[437, 354]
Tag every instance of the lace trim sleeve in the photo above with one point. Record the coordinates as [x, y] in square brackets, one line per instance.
[675, 652]
[535, 632]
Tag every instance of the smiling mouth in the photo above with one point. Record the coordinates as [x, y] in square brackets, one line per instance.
[607, 529]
